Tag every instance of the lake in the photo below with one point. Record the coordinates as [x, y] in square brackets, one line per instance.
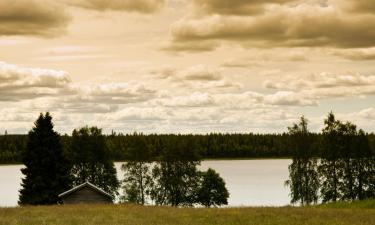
[250, 182]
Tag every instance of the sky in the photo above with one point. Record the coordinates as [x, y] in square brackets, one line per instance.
[186, 66]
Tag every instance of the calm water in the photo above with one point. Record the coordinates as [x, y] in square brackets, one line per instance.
[250, 182]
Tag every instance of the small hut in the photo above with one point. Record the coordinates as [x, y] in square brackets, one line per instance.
[85, 193]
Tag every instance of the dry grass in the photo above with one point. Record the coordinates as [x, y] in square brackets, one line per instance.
[138, 215]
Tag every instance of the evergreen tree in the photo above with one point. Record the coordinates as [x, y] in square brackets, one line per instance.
[91, 161]
[212, 190]
[137, 174]
[47, 170]
[303, 177]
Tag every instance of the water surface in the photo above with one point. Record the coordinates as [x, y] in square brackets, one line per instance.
[250, 182]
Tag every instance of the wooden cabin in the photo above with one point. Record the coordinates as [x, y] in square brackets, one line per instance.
[85, 193]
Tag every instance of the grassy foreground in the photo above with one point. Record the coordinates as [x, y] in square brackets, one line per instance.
[348, 214]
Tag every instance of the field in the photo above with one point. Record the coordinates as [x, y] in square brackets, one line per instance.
[334, 214]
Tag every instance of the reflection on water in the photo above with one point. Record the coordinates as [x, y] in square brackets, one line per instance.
[250, 182]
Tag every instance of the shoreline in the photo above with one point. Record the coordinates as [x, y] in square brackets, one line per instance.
[206, 159]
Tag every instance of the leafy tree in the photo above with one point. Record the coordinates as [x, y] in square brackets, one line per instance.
[175, 173]
[91, 161]
[47, 170]
[346, 168]
[364, 166]
[212, 190]
[137, 178]
[331, 165]
[303, 177]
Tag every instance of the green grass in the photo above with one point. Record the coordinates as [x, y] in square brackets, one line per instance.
[366, 204]
[138, 215]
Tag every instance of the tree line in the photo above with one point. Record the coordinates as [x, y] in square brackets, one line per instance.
[170, 179]
[209, 146]
[336, 164]
[344, 171]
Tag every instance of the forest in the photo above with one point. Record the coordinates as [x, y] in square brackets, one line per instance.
[208, 146]
[336, 165]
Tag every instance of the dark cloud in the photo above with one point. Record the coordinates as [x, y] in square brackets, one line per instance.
[296, 25]
[32, 17]
[140, 6]
[362, 6]
[234, 7]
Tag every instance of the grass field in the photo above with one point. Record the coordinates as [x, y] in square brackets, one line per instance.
[332, 214]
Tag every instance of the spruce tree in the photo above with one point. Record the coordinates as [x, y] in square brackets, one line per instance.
[47, 170]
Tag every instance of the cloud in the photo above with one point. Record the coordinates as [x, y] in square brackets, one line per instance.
[322, 80]
[197, 77]
[140, 6]
[71, 53]
[32, 17]
[281, 26]
[356, 54]
[368, 114]
[194, 100]
[234, 101]
[325, 86]
[22, 83]
[111, 93]
[260, 59]
[233, 7]
[361, 6]
[17, 83]
[200, 72]
[190, 46]
[138, 113]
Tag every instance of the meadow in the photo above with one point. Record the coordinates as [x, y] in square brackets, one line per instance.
[358, 213]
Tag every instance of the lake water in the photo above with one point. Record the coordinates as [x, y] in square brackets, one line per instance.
[250, 182]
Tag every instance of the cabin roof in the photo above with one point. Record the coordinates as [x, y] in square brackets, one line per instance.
[86, 184]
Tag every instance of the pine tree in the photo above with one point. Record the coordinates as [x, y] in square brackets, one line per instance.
[47, 170]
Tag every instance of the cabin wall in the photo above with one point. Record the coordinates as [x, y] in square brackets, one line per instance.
[86, 195]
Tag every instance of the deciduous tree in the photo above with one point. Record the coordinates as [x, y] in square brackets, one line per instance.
[91, 161]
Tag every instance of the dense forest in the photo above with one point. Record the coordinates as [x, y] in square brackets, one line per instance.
[209, 146]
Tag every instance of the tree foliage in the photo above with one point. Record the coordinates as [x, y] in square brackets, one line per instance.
[47, 170]
[347, 162]
[91, 161]
[303, 176]
[175, 173]
[212, 190]
[137, 173]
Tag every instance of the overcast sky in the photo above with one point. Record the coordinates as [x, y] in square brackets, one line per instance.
[169, 66]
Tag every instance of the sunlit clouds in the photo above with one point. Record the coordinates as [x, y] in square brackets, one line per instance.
[169, 66]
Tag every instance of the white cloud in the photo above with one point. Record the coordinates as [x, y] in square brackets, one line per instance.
[17, 83]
